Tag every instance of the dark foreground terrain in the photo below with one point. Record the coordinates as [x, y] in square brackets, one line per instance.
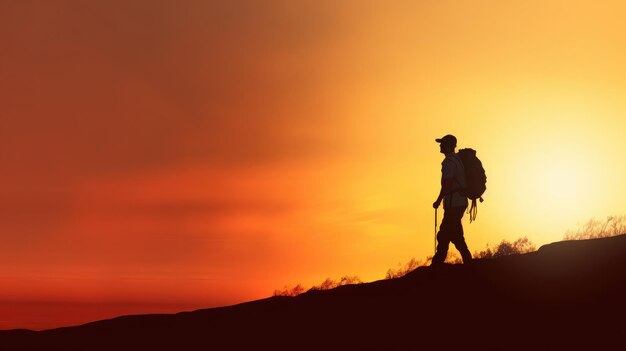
[567, 295]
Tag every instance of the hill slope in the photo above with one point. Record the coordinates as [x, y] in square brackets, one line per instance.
[567, 294]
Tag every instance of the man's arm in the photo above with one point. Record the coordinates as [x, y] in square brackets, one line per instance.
[446, 186]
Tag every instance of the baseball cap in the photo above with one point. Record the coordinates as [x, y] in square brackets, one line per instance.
[448, 139]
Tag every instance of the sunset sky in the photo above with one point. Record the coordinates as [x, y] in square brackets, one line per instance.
[159, 155]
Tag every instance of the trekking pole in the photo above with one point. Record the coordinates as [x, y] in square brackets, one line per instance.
[435, 233]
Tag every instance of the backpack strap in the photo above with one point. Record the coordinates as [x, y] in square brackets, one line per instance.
[458, 163]
[450, 194]
[473, 210]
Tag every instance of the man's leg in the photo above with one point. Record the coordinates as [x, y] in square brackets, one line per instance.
[457, 237]
[442, 247]
[460, 245]
[443, 238]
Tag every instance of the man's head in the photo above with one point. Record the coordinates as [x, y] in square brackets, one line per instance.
[447, 144]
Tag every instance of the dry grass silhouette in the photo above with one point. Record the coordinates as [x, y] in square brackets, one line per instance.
[325, 285]
[331, 284]
[402, 270]
[289, 291]
[596, 228]
[505, 248]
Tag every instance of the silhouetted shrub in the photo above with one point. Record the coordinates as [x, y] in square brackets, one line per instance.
[350, 280]
[453, 257]
[289, 291]
[595, 228]
[331, 284]
[402, 270]
[325, 285]
[505, 248]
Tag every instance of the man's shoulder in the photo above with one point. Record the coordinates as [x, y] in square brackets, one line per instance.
[449, 159]
[452, 159]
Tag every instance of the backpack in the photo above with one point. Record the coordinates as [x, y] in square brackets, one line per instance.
[475, 178]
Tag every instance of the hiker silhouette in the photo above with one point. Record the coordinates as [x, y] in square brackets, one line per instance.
[454, 203]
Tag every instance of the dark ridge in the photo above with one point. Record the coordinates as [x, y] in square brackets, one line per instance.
[567, 295]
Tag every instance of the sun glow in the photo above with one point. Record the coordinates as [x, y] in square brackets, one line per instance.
[557, 182]
[559, 154]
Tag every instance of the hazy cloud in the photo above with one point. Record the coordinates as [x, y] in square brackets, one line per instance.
[107, 86]
[116, 87]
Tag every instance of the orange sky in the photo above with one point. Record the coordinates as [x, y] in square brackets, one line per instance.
[159, 156]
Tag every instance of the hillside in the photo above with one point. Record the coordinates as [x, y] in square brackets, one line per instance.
[569, 294]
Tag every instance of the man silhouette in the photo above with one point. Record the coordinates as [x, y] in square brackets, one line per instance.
[454, 203]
